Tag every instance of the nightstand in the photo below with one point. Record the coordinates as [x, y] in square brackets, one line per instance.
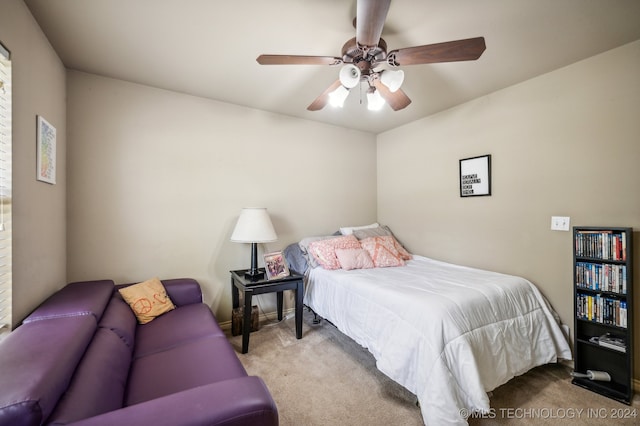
[251, 288]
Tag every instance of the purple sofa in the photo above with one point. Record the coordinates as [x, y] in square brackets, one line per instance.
[81, 358]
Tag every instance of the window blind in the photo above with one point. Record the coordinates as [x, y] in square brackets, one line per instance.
[5, 191]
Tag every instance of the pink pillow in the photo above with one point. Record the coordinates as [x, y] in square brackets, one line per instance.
[354, 259]
[324, 250]
[404, 254]
[382, 251]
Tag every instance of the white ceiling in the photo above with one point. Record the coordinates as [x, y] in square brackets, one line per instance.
[208, 48]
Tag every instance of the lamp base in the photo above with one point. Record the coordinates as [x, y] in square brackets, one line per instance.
[256, 275]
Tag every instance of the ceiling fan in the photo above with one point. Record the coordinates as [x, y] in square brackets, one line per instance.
[363, 55]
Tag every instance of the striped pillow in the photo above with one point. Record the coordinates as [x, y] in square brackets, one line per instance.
[382, 251]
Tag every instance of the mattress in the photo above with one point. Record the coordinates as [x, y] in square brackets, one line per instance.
[447, 333]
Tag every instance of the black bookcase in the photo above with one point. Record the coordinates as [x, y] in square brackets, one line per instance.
[603, 309]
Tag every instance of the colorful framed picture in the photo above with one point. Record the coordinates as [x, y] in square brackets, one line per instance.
[475, 176]
[46, 162]
[275, 265]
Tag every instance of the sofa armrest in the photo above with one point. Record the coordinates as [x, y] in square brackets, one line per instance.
[244, 401]
[183, 291]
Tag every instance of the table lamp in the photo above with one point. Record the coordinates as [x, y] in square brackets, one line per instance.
[254, 226]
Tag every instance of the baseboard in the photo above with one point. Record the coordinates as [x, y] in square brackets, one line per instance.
[225, 326]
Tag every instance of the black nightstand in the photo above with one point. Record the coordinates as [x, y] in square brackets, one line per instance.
[250, 288]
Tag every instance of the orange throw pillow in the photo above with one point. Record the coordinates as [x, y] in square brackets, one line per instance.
[147, 299]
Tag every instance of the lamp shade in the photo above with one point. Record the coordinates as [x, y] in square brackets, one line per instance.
[375, 102]
[338, 96]
[254, 226]
[350, 76]
[392, 79]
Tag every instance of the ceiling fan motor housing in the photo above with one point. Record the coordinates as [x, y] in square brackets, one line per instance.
[364, 59]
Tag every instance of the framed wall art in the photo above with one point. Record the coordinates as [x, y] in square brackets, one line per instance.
[275, 265]
[475, 176]
[46, 152]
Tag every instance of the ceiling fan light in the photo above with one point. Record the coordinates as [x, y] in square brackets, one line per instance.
[350, 76]
[375, 102]
[338, 96]
[392, 79]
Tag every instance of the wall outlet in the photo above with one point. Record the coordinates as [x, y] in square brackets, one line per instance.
[560, 223]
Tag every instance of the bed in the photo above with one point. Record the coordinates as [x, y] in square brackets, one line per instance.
[447, 333]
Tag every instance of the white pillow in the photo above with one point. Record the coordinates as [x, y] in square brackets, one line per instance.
[348, 230]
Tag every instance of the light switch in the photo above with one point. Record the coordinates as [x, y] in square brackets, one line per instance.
[560, 223]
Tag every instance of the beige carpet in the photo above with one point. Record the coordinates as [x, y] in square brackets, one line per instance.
[327, 379]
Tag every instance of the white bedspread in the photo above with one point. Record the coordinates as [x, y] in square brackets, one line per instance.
[447, 333]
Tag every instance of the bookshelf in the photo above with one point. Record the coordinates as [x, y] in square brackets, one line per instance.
[603, 309]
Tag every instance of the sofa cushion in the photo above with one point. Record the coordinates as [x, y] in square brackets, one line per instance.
[80, 298]
[98, 385]
[187, 323]
[119, 318]
[193, 364]
[38, 360]
[147, 299]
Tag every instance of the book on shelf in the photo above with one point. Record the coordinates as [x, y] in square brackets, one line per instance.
[602, 277]
[601, 244]
[601, 309]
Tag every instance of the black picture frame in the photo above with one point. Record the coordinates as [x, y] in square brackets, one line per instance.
[475, 176]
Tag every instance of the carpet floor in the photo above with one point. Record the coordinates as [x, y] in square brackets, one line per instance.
[326, 378]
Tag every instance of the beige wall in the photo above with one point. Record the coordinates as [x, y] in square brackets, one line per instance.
[39, 211]
[157, 180]
[565, 144]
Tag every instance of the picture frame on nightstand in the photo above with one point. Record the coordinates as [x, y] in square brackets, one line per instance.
[275, 265]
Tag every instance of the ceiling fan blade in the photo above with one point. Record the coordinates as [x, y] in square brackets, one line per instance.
[397, 100]
[297, 60]
[321, 101]
[450, 51]
[370, 17]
